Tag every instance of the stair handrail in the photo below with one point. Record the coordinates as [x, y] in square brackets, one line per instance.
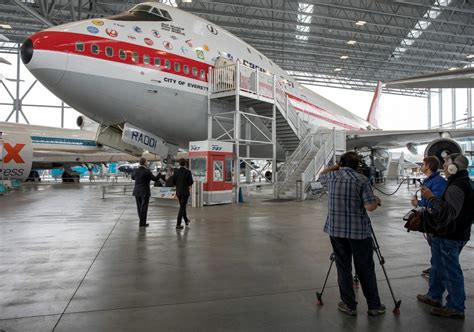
[333, 143]
[306, 146]
[222, 78]
[320, 160]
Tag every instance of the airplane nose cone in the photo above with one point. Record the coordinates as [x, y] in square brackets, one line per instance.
[26, 51]
[45, 54]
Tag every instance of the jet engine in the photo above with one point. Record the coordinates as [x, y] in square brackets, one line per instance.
[441, 148]
[16, 149]
[84, 123]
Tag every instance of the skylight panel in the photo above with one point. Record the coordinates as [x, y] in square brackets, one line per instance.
[171, 3]
[421, 26]
[303, 9]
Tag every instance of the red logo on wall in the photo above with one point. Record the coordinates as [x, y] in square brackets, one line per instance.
[148, 41]
[13, 153]
[111, 32]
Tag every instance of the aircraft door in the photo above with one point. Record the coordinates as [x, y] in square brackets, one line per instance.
[217, 176]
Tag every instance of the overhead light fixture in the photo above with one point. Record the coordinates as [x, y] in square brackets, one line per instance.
[338, 69]
[351, 42]
[453, 68]
[3, 38]
[5, 26]
[344, 57]
[361, 23]
[187, 1]
[470, 56]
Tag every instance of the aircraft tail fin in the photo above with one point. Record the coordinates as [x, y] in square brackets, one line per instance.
[372, 118]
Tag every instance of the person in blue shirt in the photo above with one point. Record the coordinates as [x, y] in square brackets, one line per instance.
[436, 183]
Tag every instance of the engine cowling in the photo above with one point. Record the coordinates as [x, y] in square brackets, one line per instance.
[441, 148]
[16, 149]
[84, 123]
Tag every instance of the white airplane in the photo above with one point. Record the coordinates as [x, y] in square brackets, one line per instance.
[28, 147]
[147, 68]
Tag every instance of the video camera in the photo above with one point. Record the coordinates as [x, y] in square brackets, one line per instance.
[356, 162]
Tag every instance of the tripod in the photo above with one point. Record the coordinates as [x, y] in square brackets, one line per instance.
[376, 247]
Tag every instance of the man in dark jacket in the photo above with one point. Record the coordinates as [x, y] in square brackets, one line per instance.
[182, 179]
[142, 176]
[455, 209]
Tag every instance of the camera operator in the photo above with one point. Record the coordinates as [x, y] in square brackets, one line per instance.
[350, 196]
[455, 209]
[436, 183]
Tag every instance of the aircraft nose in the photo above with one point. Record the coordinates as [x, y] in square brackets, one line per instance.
[26, 51]
[45, 54]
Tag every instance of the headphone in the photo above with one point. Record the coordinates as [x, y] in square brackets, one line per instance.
[452, 168]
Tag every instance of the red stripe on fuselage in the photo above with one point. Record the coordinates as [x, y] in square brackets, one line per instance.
[65, 42]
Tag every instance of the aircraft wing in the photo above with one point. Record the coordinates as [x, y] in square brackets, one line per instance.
[389, 139]
[462, 78]
[44, 158]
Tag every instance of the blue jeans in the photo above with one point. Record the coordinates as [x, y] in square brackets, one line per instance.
[446, 273]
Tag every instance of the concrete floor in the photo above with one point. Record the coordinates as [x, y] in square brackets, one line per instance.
[75, 262]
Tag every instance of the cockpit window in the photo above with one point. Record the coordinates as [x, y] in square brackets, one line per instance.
[143, 13]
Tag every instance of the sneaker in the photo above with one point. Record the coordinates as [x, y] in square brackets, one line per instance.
[179, 227]
[187, 221]
[346, 309]
[446, 312]
[428, 300]
[378, 311]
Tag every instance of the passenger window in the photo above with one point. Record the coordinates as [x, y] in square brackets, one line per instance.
[186, 69]
[146, 59]
[80, 46]
[177, 67]
[195, 71]
[203, 74]
[135, 57]
[157, 62]
[95, 48]
[122, 54]
[109, 51]
[167, 64]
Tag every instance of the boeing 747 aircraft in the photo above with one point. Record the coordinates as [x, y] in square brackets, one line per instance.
[148, 68]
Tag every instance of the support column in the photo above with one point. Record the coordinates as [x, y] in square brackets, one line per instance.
[453, 107]
[469, 108]
[17, 102]
[274, 167]
[429, 109]
[62, 114]
[237, 135]
[469, 114]
[247, 151]
[440, 108]
[209, 111]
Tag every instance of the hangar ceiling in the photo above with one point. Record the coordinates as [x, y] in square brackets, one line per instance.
[340, 43]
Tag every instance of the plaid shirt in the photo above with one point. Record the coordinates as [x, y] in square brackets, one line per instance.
[348, 192]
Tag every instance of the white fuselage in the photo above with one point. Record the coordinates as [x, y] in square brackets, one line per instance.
[108, 70]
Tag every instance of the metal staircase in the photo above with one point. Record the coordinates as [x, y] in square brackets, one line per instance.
[260, 91]
[263, 108]
[304, 165]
